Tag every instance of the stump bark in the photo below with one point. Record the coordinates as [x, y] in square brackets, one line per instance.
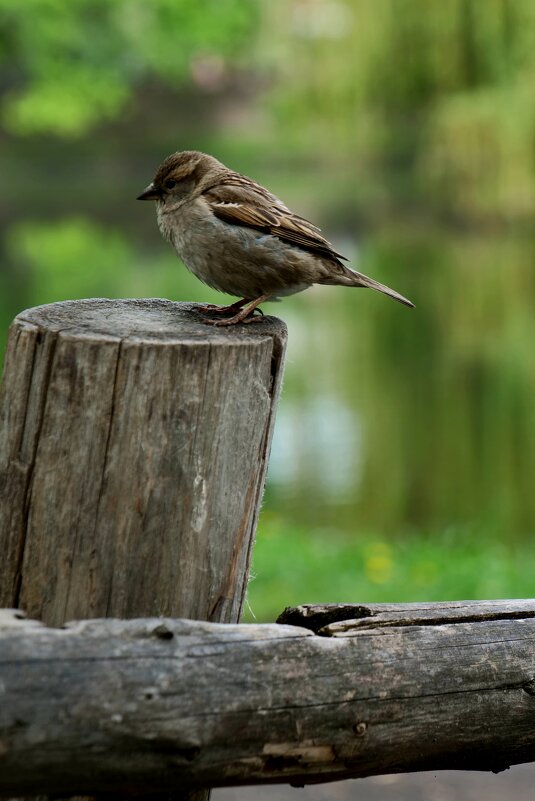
[133, 449]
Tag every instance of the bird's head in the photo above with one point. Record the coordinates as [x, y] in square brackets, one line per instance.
[179, 176]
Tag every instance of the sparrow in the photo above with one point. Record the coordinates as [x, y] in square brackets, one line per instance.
[240, 239]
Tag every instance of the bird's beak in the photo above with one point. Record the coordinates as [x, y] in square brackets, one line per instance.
[149, 193]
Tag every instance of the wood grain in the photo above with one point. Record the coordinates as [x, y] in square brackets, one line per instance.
[148, 706]
[133, 448]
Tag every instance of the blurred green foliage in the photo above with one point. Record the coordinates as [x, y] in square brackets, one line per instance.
[75, 64]
[296, 565]
[441, 95]
[53, 255]
[405, 444]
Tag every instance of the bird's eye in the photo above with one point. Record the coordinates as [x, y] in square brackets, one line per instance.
[170, 184]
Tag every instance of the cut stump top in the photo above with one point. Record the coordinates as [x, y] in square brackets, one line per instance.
[144, 319]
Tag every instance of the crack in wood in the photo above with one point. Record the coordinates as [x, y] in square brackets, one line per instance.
[349, 620]
[43, 392]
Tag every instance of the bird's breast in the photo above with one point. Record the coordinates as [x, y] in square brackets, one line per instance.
[235, 259]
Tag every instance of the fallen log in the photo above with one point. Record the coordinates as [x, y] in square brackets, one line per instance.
[150, 706]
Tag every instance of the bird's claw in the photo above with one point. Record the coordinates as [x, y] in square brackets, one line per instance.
[234, 320]
[212, 308]
[233, 309]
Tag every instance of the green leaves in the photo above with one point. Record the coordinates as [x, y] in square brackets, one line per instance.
[73, 65]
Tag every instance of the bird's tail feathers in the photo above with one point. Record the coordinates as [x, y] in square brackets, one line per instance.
[353, 278]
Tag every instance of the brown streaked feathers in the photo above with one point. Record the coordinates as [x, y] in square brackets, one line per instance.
[240, 205]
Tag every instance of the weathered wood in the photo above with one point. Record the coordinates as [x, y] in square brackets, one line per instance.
[146, 706]
[332, 620]
[133, 449]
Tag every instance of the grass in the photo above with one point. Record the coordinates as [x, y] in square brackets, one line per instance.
[292, 566]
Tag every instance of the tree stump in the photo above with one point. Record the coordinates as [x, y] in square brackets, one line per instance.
[133, 449]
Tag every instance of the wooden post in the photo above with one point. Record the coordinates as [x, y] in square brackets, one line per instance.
[133, 448]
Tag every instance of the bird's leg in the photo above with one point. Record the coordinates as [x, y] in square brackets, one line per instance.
[232, 309]
[245, 315]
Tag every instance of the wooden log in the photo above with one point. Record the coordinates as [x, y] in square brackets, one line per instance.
[133, 449]
[143, 706]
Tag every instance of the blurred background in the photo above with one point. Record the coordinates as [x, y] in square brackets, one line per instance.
[404, 454]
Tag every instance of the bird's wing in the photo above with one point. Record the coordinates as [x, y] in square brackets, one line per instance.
[239, 201]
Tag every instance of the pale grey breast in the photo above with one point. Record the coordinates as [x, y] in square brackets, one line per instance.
[235, 259]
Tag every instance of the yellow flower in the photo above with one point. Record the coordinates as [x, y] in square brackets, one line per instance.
[378, 562]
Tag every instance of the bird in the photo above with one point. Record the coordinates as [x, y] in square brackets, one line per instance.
[239, 238]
